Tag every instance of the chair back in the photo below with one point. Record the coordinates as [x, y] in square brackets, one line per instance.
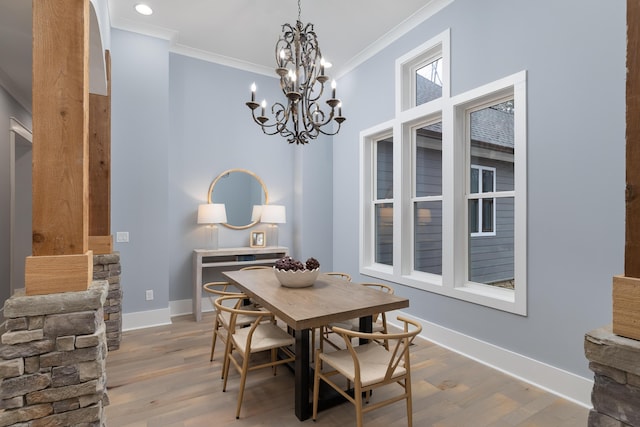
[220, 289]
[340, 275]
[256, 267]
[232, 304]
[398, 352]
[382, 288]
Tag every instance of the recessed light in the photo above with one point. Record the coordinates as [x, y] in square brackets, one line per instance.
[143, 9]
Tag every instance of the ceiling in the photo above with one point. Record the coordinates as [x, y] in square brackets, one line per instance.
[238, 33]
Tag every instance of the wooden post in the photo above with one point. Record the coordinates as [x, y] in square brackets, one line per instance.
[626, 289]
[100, 239]
[61, 258]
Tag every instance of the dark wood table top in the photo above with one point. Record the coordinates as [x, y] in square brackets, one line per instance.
[330, 299]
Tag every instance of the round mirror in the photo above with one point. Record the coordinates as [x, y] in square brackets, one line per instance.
[240, 190]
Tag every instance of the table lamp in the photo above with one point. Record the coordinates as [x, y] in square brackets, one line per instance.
[273, 215]
[212, 214]
[255, 213]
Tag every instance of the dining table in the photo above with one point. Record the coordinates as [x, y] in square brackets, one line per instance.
[329, 299]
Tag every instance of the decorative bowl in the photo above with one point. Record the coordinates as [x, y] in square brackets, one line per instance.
[296, 279]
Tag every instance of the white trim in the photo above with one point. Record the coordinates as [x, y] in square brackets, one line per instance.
[146, 319]
[554, 380]
[223, 60]
[185, 306]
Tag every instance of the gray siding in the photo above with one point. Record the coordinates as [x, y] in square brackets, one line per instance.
[491, 258]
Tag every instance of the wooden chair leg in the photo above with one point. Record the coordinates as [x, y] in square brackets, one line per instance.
[243, 380]
[226, 363]
[213, 340]
[316, 384]
[407, 389]
[357, 397]
[274, 357]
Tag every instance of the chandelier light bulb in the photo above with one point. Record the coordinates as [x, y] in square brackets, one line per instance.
[253, 92]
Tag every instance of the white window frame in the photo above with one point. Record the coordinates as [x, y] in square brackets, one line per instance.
[480, 197]
[453, 112]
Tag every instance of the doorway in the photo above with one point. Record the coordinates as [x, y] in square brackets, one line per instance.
[20, 141]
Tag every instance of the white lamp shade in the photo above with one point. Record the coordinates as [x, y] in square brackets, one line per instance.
[273, 214]
[212, 213]
[256, 212]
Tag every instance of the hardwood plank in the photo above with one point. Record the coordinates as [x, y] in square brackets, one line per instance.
[162, 377]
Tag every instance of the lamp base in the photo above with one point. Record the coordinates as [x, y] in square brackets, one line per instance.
[272, 239]
[213, 236]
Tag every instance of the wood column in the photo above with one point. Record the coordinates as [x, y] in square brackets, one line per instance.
[100, 239]
[61, 258]
[626, 289]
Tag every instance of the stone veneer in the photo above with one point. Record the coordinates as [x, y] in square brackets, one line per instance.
[52, 359]
[107, 267]
[615, 360]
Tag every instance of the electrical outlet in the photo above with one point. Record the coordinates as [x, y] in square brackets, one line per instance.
[149, 294]
[122, 236]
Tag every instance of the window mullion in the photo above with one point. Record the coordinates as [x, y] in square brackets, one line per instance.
[451, 148]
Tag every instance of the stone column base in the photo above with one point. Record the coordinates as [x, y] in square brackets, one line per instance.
[615, 360]
[53, 359]
[107, 267]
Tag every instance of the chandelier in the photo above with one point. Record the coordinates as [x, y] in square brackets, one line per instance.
[301, 69]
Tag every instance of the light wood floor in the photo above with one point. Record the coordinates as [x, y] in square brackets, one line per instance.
[162, 377]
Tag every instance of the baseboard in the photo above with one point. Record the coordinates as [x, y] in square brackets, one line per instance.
[564, 384]
[146, 319]
[185, 306]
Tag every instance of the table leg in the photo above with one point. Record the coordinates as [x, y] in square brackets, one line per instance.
[366, 325]
[302, 381]
[197, 287]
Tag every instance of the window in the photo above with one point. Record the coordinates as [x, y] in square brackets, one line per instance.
[383, 201]
[482, 209]
[423, 70]
[446, 180]
[427, 199]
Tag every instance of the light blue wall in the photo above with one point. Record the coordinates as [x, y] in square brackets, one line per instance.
[574, 54]
[140, 158]
[178, 122]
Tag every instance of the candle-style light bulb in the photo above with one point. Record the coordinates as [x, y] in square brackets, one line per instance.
[264, 105]
[322, 66]
[333, 89]
[282, 56]
[340, 108]
[253, 92]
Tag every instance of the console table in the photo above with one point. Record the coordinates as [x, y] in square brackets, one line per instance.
[228, 257]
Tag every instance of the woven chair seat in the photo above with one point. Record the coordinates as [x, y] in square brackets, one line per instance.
[265, 337]
[374, 362]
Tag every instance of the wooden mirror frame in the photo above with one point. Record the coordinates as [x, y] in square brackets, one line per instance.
[256, 177]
